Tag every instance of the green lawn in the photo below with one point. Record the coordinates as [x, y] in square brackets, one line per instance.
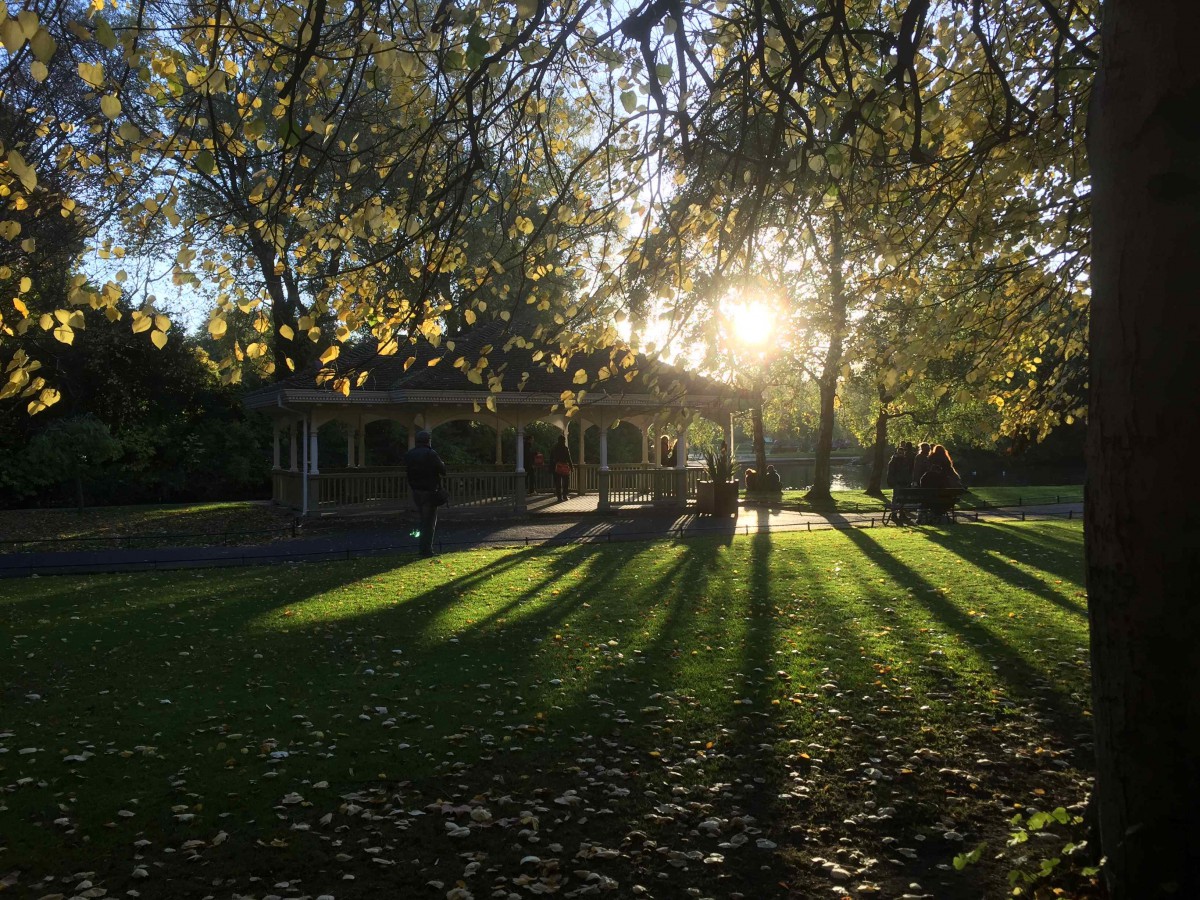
[704, 714]
[109, 527]
[975, 498]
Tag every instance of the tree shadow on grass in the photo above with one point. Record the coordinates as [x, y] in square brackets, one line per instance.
[1009, 664]
[989, 557]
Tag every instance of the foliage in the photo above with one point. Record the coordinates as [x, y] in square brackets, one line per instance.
[182, 434]
[73, 449]
[721, 465]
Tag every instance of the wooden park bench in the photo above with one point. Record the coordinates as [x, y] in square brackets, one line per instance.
[921, 506]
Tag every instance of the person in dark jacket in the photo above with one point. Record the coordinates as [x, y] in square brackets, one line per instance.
[425, 469]
[770, 481]
[900, 466]
[920, 463]
[561, 466]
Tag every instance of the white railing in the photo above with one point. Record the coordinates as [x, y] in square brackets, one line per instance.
[643, 486]
[483, 490]
[478, 488]
[287, 489]
[389, 487]
[381, 487]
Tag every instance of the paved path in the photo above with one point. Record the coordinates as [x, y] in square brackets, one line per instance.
[371, 539]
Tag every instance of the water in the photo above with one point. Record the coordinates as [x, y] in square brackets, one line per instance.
[797, 474]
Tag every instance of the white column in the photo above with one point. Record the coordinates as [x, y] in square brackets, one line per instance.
[645, 445]
[312, 448]
[727, 431]
[582, 451]
[361, 461]
[499, 445]
[520, 449]
[603, 446]
[275, 445]
[294, 457]
[350, 433]
[681, 456]
[412, 434]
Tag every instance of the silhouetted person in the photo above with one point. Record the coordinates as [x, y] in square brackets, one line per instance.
[770, 481]
[920, 463]
[425, 469]
[561, 464]
[941, 472]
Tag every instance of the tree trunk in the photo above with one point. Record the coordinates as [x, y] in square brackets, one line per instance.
[822, 472]
[760, 442]
[1142, 520]
[879, 455]
[284, 311]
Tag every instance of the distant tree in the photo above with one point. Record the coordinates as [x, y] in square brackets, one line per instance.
[72, 450]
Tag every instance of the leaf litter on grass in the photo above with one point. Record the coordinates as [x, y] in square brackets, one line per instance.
[668, 725]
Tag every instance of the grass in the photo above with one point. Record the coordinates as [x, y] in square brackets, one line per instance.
[975, 498]
[109, 527]
[706, 714]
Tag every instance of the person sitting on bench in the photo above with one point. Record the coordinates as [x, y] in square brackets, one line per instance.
[770, 481]
[941, 472]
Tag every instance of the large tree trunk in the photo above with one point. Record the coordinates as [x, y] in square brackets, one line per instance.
[822, 471]
[879, 454]
[1142, 519]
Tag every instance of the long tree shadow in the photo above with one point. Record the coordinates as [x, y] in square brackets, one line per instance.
[988, 558]
[1008, 663]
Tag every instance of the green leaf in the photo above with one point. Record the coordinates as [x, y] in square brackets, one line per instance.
[629, 101]
[205, 162]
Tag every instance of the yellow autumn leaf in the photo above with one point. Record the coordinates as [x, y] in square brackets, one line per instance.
[28, 21]
[39, 71]
[11, 36]
[141, 322]
[64, 333]
[162, 323]
[217, 327]
[580, 377]
[92, 73]
[330, 354]
[24, 171]
[285, 332]
[158, 339]
[43, 46]
[110, 106]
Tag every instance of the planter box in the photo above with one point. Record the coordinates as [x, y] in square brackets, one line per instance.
[717, 499]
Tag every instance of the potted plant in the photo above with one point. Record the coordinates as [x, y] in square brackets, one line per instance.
[719, 495]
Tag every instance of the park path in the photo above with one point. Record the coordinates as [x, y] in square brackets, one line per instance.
[378, 539]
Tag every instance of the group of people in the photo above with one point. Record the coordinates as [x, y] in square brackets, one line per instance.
[764, 481]
[927, 466]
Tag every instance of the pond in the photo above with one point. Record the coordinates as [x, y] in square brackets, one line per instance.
[797, 474]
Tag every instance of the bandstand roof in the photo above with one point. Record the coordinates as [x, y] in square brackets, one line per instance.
[433, 379]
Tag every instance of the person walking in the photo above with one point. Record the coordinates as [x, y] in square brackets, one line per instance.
[560, 462]
[425, 469]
